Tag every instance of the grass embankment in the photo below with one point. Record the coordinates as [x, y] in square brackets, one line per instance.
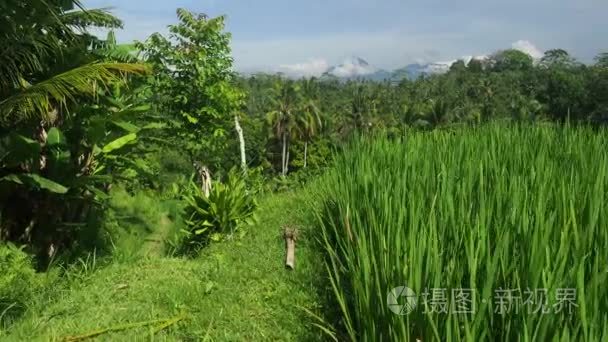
[236, 290]
[470, 221]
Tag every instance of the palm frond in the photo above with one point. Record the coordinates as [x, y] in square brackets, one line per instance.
[20, 57]
[83, 19]
[124, 53]
[37, 100]
[31, 34]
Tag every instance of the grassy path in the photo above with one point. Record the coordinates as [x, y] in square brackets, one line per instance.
[154, 245]
[235, 291]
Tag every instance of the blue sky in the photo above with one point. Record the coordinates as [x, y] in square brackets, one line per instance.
[308, 35]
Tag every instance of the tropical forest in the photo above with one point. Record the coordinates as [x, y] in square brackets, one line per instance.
[150, 191]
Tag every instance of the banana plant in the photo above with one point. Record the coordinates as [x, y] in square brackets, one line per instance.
[51, 180]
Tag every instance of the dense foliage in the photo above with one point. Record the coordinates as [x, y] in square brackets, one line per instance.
[56, 143]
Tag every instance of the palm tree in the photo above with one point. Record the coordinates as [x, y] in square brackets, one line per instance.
[45, 64]
[285, 100]
[308, 124]
[358, 114]
[310, 89]
[440, 110]
[362, 109]
[309, 118]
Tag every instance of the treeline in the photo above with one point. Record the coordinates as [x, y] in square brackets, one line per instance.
[80, 113]
[508, 85]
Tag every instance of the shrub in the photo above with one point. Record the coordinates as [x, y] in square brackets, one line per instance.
[228, 207]
[18, 281]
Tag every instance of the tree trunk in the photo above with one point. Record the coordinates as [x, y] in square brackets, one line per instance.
[239, 131]
[305, 152]
[284, 154]
[287, 159]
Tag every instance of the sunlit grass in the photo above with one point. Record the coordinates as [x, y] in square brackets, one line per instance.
[236, 290]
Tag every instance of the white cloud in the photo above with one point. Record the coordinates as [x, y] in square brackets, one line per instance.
[527, 47]
[387, 49]
[313, 67]
[468, 59]
[439, 67]
[353, 67]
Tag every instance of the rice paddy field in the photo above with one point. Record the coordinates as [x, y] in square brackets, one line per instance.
[489, 233]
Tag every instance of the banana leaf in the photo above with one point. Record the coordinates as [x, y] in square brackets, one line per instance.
[119, 143]
[55, 138]
[36, 181]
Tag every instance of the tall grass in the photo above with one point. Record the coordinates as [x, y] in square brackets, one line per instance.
[489, 209]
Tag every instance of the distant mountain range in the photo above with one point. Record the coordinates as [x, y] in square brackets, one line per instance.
[356, 68]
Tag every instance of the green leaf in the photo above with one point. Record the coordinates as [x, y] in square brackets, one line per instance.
[12, 178]
[37, 181]
[190, 118]
[155, 125]
[200, 231]
[98, 193]
[55, 137]
[127, 126]
[136, 110]
[119, 143]
[47, 184]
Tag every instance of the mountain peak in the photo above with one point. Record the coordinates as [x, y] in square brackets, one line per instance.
[359, 61]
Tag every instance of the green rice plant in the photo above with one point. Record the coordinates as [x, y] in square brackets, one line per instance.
[499, 231]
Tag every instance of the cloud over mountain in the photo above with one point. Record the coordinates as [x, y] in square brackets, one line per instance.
[527, 47]
[352, 67]
[356, 67]
[313, 67]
